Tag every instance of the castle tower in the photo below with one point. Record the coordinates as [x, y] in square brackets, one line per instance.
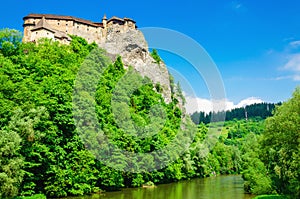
[104, 21]
[28, 25]
[104, 30]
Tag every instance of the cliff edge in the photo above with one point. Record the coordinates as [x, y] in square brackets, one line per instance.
[133, 48]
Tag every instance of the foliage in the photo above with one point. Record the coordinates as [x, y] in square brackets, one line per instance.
[253, 111]
[35, 97]
[9, 41]
[156, 56]
[40, 139]
[11, 174]
[179, 93]
[272, 166]
[280, 147]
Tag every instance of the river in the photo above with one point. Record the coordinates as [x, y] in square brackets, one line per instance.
[221, 187]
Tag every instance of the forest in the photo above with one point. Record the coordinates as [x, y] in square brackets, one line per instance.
[42, 150]
[260, 110]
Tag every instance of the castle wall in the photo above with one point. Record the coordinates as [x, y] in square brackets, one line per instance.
[92, 32]
[61, 25]
[28, 26]
[42, 33]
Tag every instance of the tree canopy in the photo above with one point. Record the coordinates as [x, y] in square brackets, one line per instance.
[42, 149]
[277, 153]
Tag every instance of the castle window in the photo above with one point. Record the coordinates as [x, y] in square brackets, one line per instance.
[77, 27]
[88, 29]
[66, 24]
[58, 23]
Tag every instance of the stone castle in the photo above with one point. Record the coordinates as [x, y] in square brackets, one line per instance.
[118, 36]
[58, 27]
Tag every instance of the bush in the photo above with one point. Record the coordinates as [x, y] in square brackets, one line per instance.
[155, 56]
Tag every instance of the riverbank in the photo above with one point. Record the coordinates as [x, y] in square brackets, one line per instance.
[270, 197]
[37, 196]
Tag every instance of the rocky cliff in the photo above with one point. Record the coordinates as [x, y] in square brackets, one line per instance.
[133, 48]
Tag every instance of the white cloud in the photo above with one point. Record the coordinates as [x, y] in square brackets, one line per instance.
[194, 104]
[248, 101]
[293, 63]
[197, 104]
[288, 39]
[295, 44]
[293, 77]
[296, 77]
[270, 52]
[236, 5]
[280, 78]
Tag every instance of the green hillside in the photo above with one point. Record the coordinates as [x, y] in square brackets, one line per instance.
[43, 150]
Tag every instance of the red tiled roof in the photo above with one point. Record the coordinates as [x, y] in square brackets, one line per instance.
[61, 17]
[99, 24]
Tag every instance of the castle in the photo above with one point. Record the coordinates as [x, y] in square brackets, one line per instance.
[58, 27]
[118, 36]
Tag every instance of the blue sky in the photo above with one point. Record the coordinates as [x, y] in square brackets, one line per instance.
[255, 44]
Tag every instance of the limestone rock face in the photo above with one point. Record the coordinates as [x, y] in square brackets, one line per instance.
[133, 48]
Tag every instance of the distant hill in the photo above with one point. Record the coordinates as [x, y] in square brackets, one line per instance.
[261, 110]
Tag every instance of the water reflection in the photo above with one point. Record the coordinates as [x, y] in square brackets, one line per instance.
[224, 187]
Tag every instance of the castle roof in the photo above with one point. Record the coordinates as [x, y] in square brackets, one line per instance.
[129, 19]
[61, 17]
[61, 35]
[117, 19]
[114, 18]
[42, 24]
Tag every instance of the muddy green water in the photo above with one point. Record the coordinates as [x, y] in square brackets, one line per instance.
[221, 187]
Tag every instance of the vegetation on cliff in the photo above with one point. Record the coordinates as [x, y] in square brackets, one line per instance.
[41, 151]
[46, 154]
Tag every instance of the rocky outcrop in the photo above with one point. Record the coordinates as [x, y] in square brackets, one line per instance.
[133, 48]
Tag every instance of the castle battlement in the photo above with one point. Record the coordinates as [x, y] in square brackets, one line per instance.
[58, 27]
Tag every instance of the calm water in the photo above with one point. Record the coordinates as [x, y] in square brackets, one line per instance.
[221, 187]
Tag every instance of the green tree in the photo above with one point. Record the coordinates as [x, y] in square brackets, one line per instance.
[271, 160]
[280, 146]
[36, 96]
[36, 99]
[11, 163]
[255, 174]
[9, 41]
[156, 56]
